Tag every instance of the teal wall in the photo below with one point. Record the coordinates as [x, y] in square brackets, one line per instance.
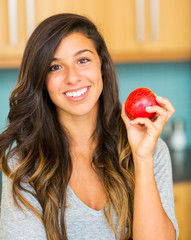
[172, 80]
[8, 79]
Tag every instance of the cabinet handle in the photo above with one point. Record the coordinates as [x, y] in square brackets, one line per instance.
[155, 15]
[140, 19]
[13, 22]
[30, 16]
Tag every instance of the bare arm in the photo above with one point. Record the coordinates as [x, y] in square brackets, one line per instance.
[150, 220]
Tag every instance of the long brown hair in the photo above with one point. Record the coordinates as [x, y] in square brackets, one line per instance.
[36, 137]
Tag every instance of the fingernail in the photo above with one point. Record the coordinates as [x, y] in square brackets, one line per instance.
[158, 97]
[147, 108]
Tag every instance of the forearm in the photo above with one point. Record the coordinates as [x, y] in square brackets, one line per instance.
[150, 220]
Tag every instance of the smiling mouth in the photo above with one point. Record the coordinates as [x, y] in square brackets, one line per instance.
[77, 93]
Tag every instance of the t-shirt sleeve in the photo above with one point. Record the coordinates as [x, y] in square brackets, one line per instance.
[164, 181]
[15, 224]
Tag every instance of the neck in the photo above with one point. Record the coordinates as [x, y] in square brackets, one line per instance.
[81, 142]
[80, 129]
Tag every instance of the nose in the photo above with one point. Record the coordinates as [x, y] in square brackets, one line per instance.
[73, 75]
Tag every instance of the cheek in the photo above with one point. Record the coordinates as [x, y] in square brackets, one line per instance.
[53, 84]
[100, 81]
[96, 75]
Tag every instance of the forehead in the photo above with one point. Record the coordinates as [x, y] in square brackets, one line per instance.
[74, 42]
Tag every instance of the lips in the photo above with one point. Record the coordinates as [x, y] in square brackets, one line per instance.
[77, 94]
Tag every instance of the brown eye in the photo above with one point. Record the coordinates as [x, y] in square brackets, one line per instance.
[83, 60]
[55, 67]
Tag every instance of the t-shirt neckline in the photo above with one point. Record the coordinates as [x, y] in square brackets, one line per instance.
[82, 204]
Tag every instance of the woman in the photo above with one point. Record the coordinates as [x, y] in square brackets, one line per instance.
[78, 167]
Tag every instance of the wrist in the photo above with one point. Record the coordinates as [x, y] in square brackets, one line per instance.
[143, 167]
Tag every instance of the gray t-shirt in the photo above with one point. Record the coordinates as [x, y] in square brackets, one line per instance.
[82, 222]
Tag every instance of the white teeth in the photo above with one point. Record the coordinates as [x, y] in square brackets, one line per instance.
[77, 93]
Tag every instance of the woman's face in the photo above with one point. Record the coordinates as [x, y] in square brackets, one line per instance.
[74, 82]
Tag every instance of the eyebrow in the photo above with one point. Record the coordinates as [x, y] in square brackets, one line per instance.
[82, 51]
[76, 54]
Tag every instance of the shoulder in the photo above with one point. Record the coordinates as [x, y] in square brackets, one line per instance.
[162, 159]
[164, 180]
[161, 152]
[162, 165]
[24, 188]
[160, 148]
[13, 161]
[16, 223]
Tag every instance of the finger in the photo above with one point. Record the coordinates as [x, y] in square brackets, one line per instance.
[162, 113]
[160, 118]
[146, 122]
[167, 105]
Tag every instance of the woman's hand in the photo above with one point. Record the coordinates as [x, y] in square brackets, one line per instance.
[143, 133]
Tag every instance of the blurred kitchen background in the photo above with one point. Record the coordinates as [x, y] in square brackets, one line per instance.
[150, 43]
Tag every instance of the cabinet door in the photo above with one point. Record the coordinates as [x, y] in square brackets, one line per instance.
[173, 43]
[116, 20]
[94, 9]
[175, 26]
[182, 196]
[10, 55]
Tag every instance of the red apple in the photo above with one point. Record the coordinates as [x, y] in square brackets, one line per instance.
[137, 101]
